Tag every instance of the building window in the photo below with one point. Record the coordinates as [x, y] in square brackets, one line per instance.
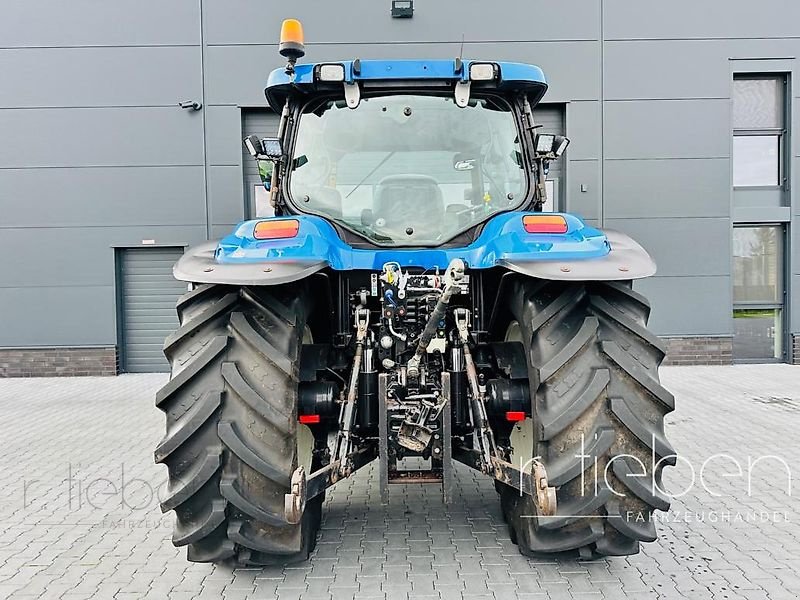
[759, 131]
[758, 292]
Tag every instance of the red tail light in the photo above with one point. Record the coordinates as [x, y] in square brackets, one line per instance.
[276, 230]
[544, 224]
[308, 419]
[514, 416]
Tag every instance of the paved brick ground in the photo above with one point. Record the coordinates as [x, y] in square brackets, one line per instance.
[78, 518]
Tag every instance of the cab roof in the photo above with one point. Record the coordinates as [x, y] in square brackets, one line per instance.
[511, 76]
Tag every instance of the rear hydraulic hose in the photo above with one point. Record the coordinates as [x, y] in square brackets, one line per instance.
[454, 274]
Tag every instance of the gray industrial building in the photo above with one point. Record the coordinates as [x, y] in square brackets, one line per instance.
[680, 115]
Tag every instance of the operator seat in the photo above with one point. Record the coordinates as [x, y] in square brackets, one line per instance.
[415, 201]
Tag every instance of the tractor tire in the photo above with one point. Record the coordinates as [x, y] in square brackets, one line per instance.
[598, 416]
[232, 430]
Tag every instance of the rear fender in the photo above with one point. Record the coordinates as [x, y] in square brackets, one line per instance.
[626, 260]
[580, 253]
[198, 265]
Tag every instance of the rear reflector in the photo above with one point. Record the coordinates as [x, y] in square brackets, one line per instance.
[308, 419]
[544, 224]
[514, 415]
[275, 230]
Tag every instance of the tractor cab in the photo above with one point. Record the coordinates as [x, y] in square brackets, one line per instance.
[404, 153]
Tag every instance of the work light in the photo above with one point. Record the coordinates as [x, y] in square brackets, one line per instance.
[330, 72]
[253, 145]
[482, 71]
[544, 143]
[560, 144]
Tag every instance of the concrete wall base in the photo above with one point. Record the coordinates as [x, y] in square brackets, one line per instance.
[58, 362]
[699, 350]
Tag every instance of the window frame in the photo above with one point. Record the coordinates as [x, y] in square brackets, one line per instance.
[782, 269]
[780, 132]
[781, 166]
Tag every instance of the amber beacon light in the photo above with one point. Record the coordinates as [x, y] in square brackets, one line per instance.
[291, 45]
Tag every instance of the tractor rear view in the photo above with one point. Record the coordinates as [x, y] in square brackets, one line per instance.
[409, 300]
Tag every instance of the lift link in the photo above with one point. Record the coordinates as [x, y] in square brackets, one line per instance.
[490, 460]
[486, 444]
[347, 412]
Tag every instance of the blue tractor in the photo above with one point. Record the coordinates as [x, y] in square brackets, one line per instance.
[409, 302]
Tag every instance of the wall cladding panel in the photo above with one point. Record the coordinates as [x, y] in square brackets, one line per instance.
[640, 70]
[633, 19]
[101, 137]
[105, 196]
[78, 255]
[58, 316]
[223, 139]
[667, 129]
[646, 69]
[667, 188]
[583, 173]
[583, 129]
[42, 77]
[225, 195]
[93, 23]
[369, 21]
[681, 305]
[682, 246]
[220, 230]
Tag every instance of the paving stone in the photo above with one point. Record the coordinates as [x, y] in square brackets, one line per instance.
[54, 543]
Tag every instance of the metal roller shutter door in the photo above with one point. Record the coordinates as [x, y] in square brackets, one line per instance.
[263, 123]
[551, 119]
[148, 295]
